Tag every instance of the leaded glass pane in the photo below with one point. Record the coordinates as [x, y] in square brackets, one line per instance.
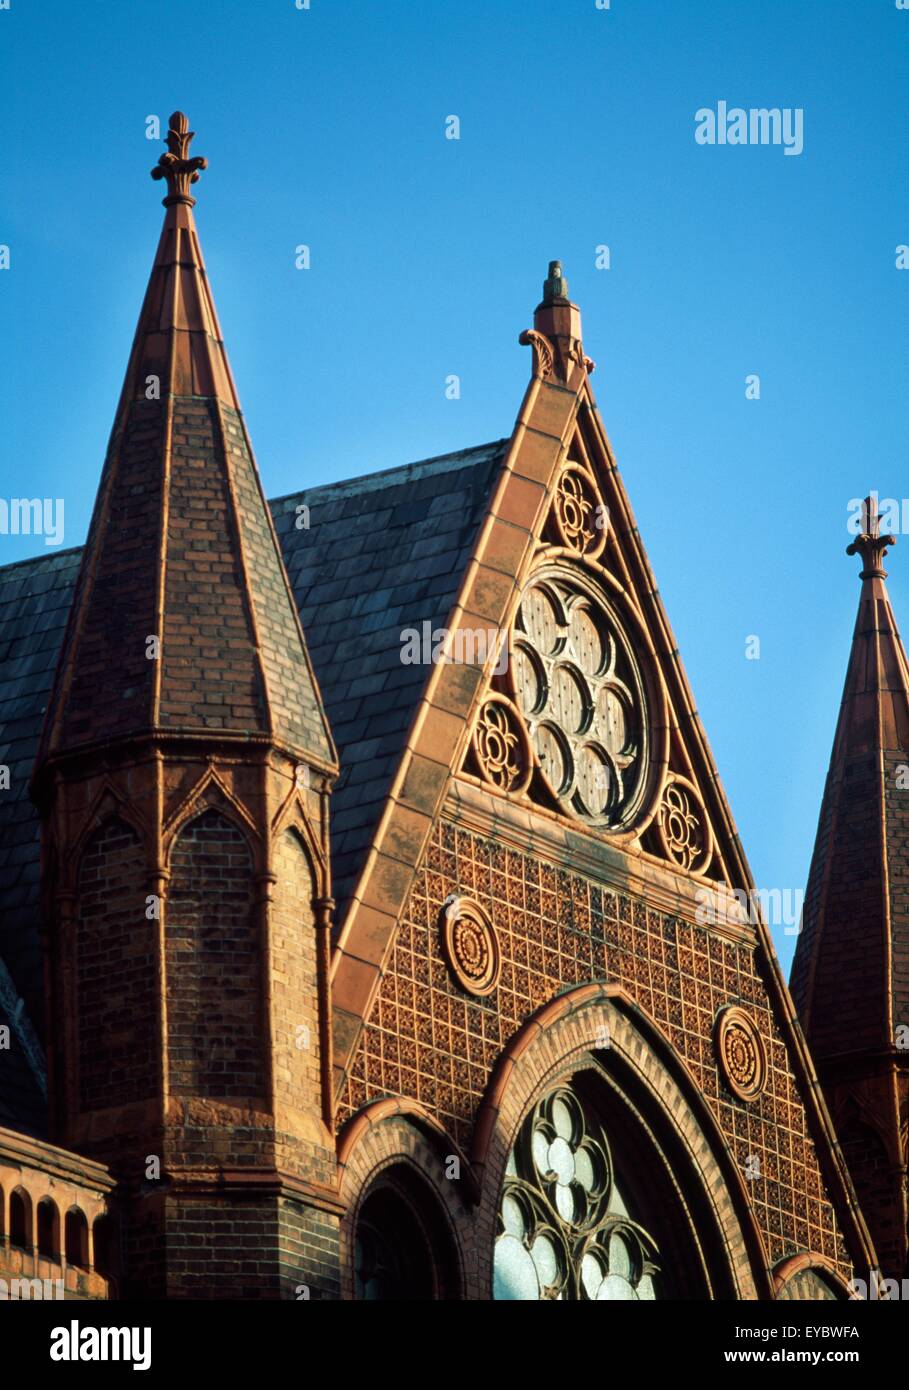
[564, 1229]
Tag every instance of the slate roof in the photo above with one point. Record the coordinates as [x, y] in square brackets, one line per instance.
[23, 1080]
[35, 597]
[382, 552]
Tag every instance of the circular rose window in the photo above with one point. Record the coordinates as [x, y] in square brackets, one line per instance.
[581, 694]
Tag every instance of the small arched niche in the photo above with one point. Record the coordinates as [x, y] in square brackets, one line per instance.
[76, 1238]
[48, 1223]
[20, 1219]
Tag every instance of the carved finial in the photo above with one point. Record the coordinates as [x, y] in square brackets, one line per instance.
[871, 545]
[176, 166]
[556, 286]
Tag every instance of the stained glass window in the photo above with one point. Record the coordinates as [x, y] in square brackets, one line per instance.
[564, 1229]
[579, 689]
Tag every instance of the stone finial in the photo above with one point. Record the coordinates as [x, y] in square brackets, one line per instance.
[176, 166]
[556, 286]
[870, 544]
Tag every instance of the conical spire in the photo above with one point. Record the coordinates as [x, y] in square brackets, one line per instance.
[850, 977]
[183, 619]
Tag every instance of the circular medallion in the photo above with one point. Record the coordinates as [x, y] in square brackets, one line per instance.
[579, 513]
[740, 1052]
[500, 745]
[470, 945]
[683, 827]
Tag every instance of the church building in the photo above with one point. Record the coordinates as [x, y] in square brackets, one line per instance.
[373, 922]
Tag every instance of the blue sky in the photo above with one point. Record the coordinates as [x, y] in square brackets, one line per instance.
[326, 127]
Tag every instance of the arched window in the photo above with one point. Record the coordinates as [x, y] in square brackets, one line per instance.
[76, 1238]
[20, 1219]
[566, 1225]
[48, 1229]
[402, 1247]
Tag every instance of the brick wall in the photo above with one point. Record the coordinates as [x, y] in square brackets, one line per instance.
[307, 1252]
[115, 972]
[295, 1022]
[896, 810]
[214, 1025]
[875, 1187]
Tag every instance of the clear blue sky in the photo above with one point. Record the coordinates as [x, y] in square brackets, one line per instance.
[326, 127]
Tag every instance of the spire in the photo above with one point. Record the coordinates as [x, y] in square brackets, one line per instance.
[183, 618]
[850, 977]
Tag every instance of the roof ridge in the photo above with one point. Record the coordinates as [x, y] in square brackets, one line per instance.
[384, 474]
[44, 555]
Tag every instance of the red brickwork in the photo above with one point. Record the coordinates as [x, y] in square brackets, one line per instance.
[115, 941]
[896, 821]
[214, 999]
[850, 977]
[295, 1014]
[850, 826]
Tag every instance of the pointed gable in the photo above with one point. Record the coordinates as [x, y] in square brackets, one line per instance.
[557, 513]
[556, 820]
[183, 620]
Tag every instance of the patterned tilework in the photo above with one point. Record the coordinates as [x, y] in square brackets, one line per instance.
[429, 1040]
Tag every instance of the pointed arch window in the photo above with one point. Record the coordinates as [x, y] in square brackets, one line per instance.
[402, 1247]
[566, 1228]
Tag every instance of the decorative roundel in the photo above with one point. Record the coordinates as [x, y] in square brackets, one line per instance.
[579, 514]
[682, 826]
[470, 945]
[581, 695]
[500, 745]
[741, 1053]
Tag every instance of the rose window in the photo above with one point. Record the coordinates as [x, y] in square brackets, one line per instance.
[582, 698]
[564, 1231]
